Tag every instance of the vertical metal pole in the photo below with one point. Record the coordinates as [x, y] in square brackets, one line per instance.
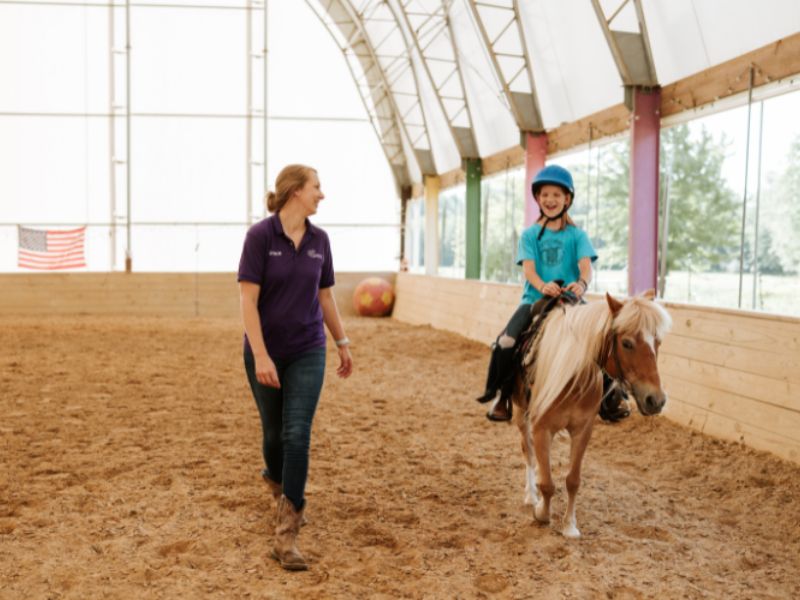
[405, 198]
[758, 202]
[643, 216]
[535, 157]
[431, 239]
[596, 277]
[746, 173]
[248, 136]
[112, 175]
[266, 112]
[589, 178]
[128, 252]
[662, 278]
[473, 217]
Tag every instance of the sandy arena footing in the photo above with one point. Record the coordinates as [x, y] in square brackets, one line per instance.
[130, 468]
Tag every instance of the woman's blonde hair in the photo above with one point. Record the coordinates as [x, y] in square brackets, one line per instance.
[290, 179]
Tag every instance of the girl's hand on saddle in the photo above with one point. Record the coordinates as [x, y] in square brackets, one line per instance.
[551, 289]
[266, 373]
[576, 288]
[345, 362]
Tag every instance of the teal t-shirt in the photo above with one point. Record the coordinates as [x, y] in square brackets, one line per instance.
[556, 255]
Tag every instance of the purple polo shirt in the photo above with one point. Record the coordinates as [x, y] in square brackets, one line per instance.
[290, 280]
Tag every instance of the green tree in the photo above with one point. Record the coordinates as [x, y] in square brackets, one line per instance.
[781, 212]
[503, 208]
[704, 211]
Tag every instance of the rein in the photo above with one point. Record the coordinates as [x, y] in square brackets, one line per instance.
[613, 352]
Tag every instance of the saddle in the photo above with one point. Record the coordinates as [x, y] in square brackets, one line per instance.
[540, 309]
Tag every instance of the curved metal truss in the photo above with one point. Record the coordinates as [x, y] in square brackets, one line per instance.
[428, 30]
[508, 53]
[380, 63]
[410, 71]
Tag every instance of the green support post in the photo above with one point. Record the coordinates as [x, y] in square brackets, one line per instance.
[473, 169]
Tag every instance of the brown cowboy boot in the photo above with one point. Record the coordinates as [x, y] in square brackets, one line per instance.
[276, 489]
[285, 550]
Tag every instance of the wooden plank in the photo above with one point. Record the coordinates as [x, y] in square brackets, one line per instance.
[604, 123]
[744, 330]
[783, 366]
[732, 430]
[736, 407]
[503, 160]
[785, 394]
[452, 178]
[170, 294]
[773, 62]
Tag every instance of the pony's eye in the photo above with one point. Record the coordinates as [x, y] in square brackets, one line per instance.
[627, 344]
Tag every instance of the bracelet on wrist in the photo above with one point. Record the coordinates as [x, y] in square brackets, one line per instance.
[345, 341]
[585, 285]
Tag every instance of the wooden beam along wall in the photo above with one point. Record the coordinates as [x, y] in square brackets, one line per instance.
[157, 294]
[731, 374]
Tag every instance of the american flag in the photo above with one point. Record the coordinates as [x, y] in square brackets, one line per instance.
[51, 249]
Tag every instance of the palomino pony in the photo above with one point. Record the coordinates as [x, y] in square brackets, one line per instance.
[565, 363]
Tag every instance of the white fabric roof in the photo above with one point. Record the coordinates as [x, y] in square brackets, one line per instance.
[457, 79]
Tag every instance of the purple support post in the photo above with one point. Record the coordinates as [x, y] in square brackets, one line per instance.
[643, 216]
[535, 155]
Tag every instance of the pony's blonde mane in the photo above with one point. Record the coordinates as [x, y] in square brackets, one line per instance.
[567, 351]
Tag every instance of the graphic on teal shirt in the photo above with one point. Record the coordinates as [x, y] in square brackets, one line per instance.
[552, 252]
[556, 255]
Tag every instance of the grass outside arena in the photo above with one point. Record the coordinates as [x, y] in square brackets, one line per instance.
[130, 468]
[776, 294]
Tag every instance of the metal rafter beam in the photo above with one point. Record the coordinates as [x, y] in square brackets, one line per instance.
[466, 145]
[382, 107]
[631, 51]
[524, 106]
[399, 65]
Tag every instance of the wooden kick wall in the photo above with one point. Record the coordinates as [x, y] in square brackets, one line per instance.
[156, 294]
[731, 374]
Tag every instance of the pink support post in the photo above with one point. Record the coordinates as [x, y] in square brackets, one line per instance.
[643, 216]
[535, 155]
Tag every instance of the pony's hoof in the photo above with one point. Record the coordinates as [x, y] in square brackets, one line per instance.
[540, 514]
[571, 532]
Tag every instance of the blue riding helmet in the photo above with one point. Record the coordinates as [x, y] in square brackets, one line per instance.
[556, 175]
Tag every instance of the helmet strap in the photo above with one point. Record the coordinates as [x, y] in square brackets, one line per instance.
[548, 219]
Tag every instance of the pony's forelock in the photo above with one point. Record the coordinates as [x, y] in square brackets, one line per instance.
[640, 315]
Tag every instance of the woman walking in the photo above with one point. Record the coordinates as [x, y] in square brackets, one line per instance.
[286, 293]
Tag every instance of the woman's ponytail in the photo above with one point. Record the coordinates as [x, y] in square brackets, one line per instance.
[290, 179]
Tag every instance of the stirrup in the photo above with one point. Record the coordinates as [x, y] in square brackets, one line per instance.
[492, 417]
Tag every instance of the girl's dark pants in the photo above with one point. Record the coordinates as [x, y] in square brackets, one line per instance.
[286, 417]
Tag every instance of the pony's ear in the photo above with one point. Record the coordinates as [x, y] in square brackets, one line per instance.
[614, 304]
[649, 294]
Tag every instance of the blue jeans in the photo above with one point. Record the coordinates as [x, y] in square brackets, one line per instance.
[286, 416]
